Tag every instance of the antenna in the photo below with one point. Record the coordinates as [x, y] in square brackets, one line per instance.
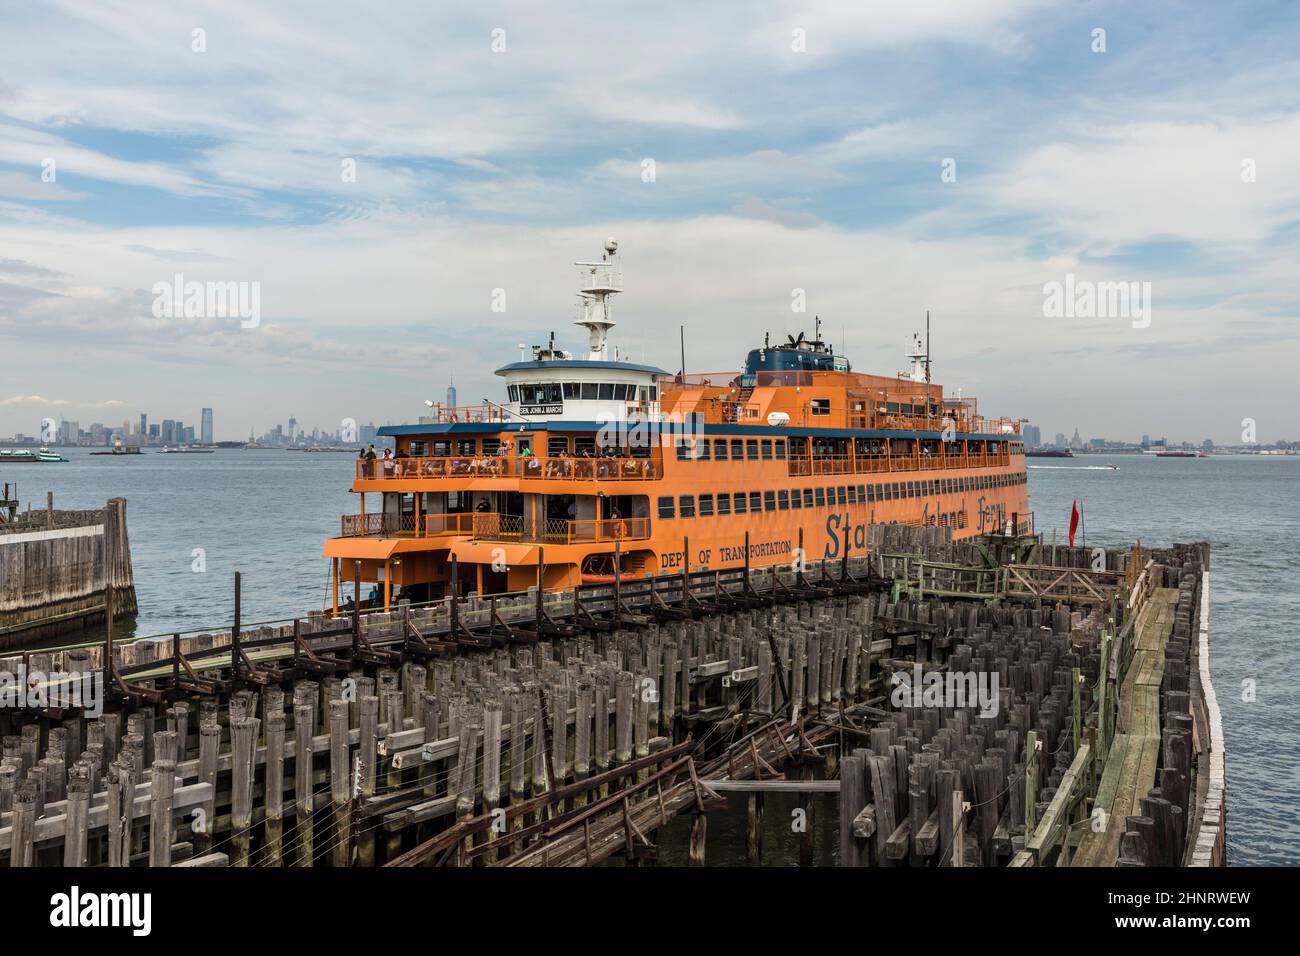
[683, 331]
[927, 345]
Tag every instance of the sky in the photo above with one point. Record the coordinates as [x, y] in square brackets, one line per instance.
[387, 177]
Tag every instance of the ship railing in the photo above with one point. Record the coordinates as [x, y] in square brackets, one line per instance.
[380, 523]
[533, 467]
[455, 414]
[802, 467]
[490, 526]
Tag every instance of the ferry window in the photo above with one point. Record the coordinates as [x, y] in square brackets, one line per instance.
[741, 500]
[620, 392]
[590, 391]
[769, 501]
[780, 450]
[821, 406]
[910, 490]
[720, 449]
[871, 493]
[724, 504]
[512, 392]
[584, 446]
[862, 493]
[606, 392]
[684, 451]
[465, 447]
[666, 507]
[767, 449]
[702, 449]
[418, 449]
[796, 499]
[491, 446]
[755, 501]
[840, 493]
[686, 505]
[751, 449]
[783, 499]
[807, 498]
[706, 506]
[572, 390]
[557, 446]
[737, 449]
[821, 498]
[654, 392]
[853, 495]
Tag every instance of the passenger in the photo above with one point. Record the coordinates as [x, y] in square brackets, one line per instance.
[370, 453]
[390, 464]
[482, 506]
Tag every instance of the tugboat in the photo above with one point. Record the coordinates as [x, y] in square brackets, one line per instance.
[625, 470]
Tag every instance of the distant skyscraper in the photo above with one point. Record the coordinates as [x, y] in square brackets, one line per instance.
[293, 428]
[168, 435]
[1060, 439]
[207, 426]
[178, 432]
[451, 394]
[144, 424]
[1033, 436]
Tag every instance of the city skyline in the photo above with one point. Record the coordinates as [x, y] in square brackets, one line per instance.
[1032, 432]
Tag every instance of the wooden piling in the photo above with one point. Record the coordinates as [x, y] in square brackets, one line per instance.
[274, 796]
[161, 823]
[243, 733]
[341, 783]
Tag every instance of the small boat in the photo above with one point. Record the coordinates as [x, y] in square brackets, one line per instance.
[184, 450]
[26, 454]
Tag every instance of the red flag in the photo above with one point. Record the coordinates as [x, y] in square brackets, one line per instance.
[1074, 520]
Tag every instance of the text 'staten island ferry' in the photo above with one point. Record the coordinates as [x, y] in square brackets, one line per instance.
[599, 461]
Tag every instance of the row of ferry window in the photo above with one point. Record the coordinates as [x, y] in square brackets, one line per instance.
[767, 449]
[686, 506]
[552, 393]
[753, 449]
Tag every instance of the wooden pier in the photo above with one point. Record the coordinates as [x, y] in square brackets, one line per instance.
[61, 570]
[564, 728]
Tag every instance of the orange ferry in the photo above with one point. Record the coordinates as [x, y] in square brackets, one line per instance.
[595, 467]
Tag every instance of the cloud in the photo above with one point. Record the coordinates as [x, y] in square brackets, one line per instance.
[33, 400]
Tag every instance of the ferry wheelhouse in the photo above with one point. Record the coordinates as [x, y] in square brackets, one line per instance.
[594, 467]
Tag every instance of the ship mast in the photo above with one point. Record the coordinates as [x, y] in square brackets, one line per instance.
[597, 281]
